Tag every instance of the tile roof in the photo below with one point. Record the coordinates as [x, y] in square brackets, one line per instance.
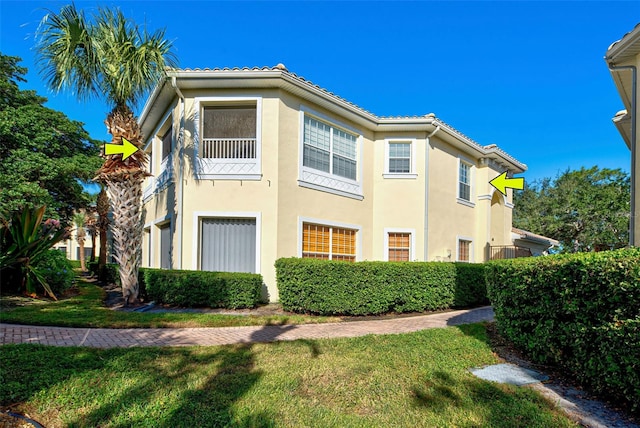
[283, 69]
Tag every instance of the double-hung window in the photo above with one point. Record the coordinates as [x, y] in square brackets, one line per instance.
[400, 158]
[328, 242]
[329, 149]
[329, 157]
[465, 181]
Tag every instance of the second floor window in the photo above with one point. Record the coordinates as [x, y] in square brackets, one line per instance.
[329, 149]
[399, 158]
[464, 182]
[229, 132]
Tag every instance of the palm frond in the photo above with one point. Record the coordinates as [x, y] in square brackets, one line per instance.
[108, 55]
[133, 59]
[67, 57]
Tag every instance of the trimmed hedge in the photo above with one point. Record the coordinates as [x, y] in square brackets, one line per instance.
[368, 288]
[580, 311]
[190, 288]
[199, 288]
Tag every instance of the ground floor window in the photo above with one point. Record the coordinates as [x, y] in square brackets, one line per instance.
[399, 247]
[228, 244]
[328, 242]
[464, 250]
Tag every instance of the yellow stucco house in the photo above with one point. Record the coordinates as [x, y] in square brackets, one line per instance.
[250, 165]
[623, 59]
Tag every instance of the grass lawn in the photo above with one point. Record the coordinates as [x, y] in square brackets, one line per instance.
[87, 310]
[411, 380]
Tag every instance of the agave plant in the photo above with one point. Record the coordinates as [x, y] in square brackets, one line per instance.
[23, 239]
[112, 57]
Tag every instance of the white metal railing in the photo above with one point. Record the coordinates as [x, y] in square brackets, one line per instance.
[228, 148]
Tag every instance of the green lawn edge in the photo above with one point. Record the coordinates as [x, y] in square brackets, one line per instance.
[86, 309]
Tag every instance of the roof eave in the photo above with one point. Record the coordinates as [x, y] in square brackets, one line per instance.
[625, 48]
[622, 122]
[163, 94]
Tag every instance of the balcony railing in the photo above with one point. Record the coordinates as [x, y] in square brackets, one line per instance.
[509, 252]
[228, 148]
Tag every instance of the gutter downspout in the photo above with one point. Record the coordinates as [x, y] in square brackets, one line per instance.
[179, 223]
[633, 240]
[426, 192]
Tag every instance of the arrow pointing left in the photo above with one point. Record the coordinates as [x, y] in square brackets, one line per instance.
[126, 149]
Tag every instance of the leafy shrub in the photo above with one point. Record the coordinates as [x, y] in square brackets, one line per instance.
[55, 270]
[580, 311]
[74, 263]
[199, 288]
[365, 288]
[23, 239]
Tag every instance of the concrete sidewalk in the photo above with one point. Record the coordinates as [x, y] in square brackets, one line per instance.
[113, 338]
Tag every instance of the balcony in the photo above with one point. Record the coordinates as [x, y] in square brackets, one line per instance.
[229, 159]
[500, 252]
[228, 148]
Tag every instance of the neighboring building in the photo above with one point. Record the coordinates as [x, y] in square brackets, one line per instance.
[623, 59]
[534, 244]
[251, 165]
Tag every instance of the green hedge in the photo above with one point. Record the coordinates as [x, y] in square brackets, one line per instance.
[366, 288]
[192, 288]
[579, 311]
[198, 288]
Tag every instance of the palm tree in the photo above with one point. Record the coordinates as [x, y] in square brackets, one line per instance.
[110, 56]
[79, 219]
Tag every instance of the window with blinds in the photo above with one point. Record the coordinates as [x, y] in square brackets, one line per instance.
[399, 247]
[328, 243]
[464, 250]
[329, 149]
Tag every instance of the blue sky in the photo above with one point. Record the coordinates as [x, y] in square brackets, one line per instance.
[528, 76]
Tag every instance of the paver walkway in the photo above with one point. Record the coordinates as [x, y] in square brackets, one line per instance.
[112, 338]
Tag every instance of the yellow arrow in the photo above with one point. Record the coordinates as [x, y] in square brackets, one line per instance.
[126, 148]
[501, 183]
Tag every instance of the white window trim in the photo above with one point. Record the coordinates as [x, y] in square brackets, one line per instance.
[199, 215]
[412, 174]
[321, 222]
[341, 183]
[471, 249]
[199, 104]
[412, 241]
[472, 173]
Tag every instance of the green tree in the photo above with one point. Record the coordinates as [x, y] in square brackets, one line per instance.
[585, 209]
[110, 56]
[44, 156]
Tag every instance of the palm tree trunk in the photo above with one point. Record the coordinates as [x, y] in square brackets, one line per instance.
[83, 266]
[102, 207]
[124, 186]
[127, 233]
